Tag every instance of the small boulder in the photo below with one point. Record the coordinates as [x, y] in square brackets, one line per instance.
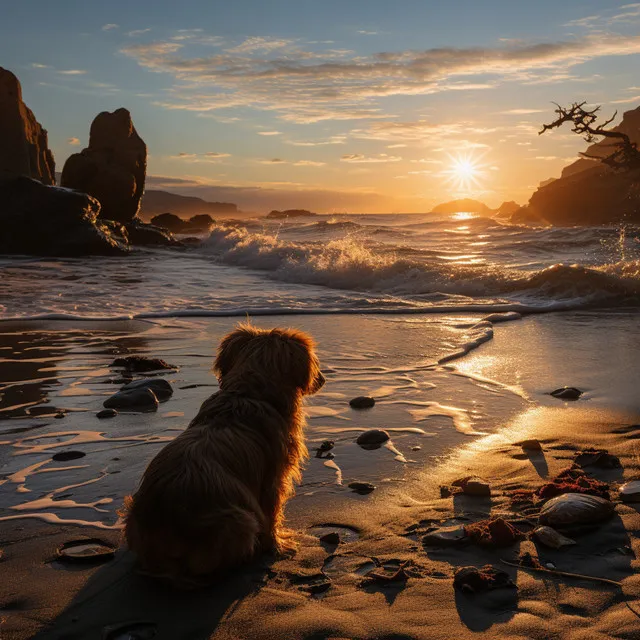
[473, 486]
[531, 445]
[630, 491]
[597, 458]
[142, 364]
[106, 413]
[373, 438]
[362, 402]
[332, 538]
[474, 580]
[567, 393]
[362, 487]
[133, 400]
[160, 387]
[549, 537]
[65, 456]
[445, 537]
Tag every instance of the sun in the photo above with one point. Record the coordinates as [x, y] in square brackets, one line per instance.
[465, 172]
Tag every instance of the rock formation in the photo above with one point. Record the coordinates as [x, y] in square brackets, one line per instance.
[464, 205]
[43, 220]
[23, 142]
[156, 202]
[506, 209]
[290, 213]
[176, 224]
[589, 192]
[112, 168]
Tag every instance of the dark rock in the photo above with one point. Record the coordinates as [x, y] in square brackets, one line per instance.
[597, 458]
[362, 487]
[446, 492]
[112, 168]
[155, 202]
[319, 586]
[495, 532]
[90, 550]
[160, 387]
[141, 364]
[130, 631]
[330, 538]
[474, 580]
[531, 445]
[575, 509]
[64, 456]
[506, 209]
[60, 415]
[50, 221]
[326, 445]
[134, 400]
[143, 234]
[566, 393]
[473, 486]
[372, 438]
[106, 413]
[24, 148]
[176, 224]
[362, 402]
[630, 491]
[465, 204]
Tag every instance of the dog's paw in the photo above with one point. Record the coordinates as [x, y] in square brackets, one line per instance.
[284, 543]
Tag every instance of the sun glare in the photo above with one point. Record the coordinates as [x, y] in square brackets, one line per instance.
[465, 172]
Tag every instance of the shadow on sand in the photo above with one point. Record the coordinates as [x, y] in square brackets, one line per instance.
[118, 603]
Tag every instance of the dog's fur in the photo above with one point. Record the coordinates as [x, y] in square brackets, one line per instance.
[214, 496]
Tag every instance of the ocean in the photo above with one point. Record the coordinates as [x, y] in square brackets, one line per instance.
[457, 325]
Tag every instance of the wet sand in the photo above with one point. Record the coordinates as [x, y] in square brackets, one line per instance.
[499, 389]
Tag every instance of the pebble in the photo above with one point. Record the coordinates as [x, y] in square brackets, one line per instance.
[362, 402]
[64, 456]
[142, 364]
[575, 508]
[531, 445]
[567, 393]
[330, 538]
[59, 415]
[362, 487]
[106, 413]
[87, 550]
[630, 491]
[373, 437]
[326, 445]
[552, 538]
[473, 486]
[445, 537]
[160, 387]
[550, 566]
[135, 400]
[416, 448]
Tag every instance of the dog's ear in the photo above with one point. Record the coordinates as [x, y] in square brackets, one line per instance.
[231, 347]
[303, 368]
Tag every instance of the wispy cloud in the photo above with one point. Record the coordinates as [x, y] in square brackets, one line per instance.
[358, 158]
[308, 163]
[110, 26]
[73, 141]
[273, 161]
[269, 133]
[137, 32]
[318, 143]
[37, 65]
[309, 86]
[627, 13]
[520, 112]
[72, 72]
[626, 100]
[211, 156]
[364, 32]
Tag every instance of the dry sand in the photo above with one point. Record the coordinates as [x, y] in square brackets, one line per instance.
[269, 600]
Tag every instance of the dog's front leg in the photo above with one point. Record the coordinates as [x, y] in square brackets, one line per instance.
[275, 536]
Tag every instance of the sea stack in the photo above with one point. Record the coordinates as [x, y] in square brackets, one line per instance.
[112, 168]
[24, 148]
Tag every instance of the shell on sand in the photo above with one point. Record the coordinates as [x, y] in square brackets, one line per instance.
[552, 538]
[575, 508]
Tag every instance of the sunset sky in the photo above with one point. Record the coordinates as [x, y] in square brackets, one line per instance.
[333, 105]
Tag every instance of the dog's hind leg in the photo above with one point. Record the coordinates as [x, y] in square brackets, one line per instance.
[275, 536]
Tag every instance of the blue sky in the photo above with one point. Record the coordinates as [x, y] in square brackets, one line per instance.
[358, 105]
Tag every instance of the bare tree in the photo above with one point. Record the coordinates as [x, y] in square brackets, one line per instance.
[624, 155]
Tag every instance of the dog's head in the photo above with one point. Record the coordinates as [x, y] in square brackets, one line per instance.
[286, 356]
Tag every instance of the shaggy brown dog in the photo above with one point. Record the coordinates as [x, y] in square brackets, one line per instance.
[214, 496]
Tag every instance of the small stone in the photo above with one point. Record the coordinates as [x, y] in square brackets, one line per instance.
[134, 400]
[326, 445]
[106, 413]
[630, 491]
[59, 415]
[597, 458]
[531, 445]
[160, 387]
[64, 456]
[575, 509]
[330, 538]
[446, 492]
[362, 402]
[445, 537]
[316, 587]
[373, 437]
[474, 580]
[566, 393]
[550, 566]
[362, 487]
[416, 448]
[142, 364]
[473, 486]
[552, 538]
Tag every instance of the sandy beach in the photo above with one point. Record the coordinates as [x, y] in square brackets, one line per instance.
[465, 414]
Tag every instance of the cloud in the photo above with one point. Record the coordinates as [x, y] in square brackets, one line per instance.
[211, 156]
[72, 72]
[363, 32]
[359, 158]
[269, 133]
[37, 65]
[137, 32]
[273, 161]
[258, 43]
[308, 163]
[305, 86]
[395, 146]
[520, 112]
[73, 141]
[624, 14]
[626, 100]
[110, 26]
[318, 143]
[547, 158]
